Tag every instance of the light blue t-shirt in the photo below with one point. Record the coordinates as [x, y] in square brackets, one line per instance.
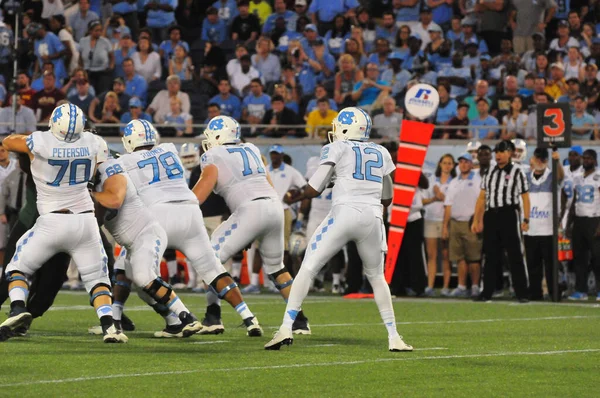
[326, 10]
[465, 73]
[230, 106]
[227, 11]
[124, 7]
[480, 131]
[335, 43]
[312, 105]
[370, 94]
[137, 87]
[119, 57]
[160, 18]
[216, 32]
[257, 106]
[50, 45]
[447, 112]
[169, 49]
[397, 81]
[577, 121]
[288, 16]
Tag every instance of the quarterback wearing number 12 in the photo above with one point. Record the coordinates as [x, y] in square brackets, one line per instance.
[363, 185]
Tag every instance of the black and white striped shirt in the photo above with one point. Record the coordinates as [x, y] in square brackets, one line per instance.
[504, 187]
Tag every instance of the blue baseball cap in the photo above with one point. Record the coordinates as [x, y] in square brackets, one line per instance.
[276, 148]
[577, 148]
[135, 102]
[396, 55]
[466, 156]
[485, 57]
[310, 26]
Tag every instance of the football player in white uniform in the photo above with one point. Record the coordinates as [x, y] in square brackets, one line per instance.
[237, 173]
[158, 176]
[143, 243]
[520, 155]
[362, 185]
[62, 162]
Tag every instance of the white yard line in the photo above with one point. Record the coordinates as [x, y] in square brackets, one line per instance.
[212, 342]
[402, 357]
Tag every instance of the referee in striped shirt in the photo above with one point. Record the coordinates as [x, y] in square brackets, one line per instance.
[497, 215]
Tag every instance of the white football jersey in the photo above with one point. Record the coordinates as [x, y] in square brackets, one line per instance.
[319, 206]
[126, 223]
[568, 186]
[61, 171]
[242, 174]
[359, 170]
[588, 195]
[158, 175]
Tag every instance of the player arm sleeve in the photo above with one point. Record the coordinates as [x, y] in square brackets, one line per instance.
[387, 191]
[319, 180]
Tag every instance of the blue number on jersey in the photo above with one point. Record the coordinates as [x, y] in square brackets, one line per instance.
[173, 170]
[64, 165]
[369, 164]
[112, 170]
[568, 188]
[247, 170]
[585, 193]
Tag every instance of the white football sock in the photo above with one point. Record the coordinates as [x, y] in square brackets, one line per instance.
[383, 299]
[300, 287]
[117, 308]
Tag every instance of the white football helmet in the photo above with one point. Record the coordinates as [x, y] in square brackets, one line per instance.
[66, 122]
[103, 154]
[298, 243]
[139, 133]
[472, 148]
[190, 157]
[221, 130]
[351, 124]
[520, 153]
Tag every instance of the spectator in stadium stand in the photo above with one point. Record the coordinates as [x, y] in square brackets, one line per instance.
[82, 97]
[590, 85]
[588, 33]
[246, 26]
[323, 12]
[388, 29]
[278, 114]
[539, 87]
[70, 88]
[493, 18]
[556, 85]
[422, 27]
[387, 124]
[325, 61]
[227, 10]
[288, 78]
[265, 61]
[283, 37]
[353, 47]
[336, 36]
[234, 64]
[436, 46]
[44, 101]
[214, 110]
[181, 121]
[58, 26]
[527, 18]
[135, 84]
[320, 93]
[395, 76]
[584, 222]
[214, 29]
[464, 245]
[181, 64]
[381, 54]
[529, 58]
[497, 215]
[366, 26]
[514, 122]
[573, 91]
[433, 202]
[319, 119]
[25, 119]
[228, 103]
[300, 8]
[161, 104]
[455, 32]
[261, 8]
[531, 128]
[460, 119]
[502, 104]
[79, 21]
[38, 84]
[575, 24]
[370, 92]
[563, 41]
[303, 70]
[111, 110]
[400, 42]
[24, 89]
[241, 77]
[128, 11]
[506, 54]
[280, 10]
[166, 49]
[125, 51]
[146, 61]
[538, 240]
[457, 75]
[288, 97]
[485, 72]
[582, 122]
[481, 91]
[484, 125]
[594, 57]
[97, 57]
[446, 109]
[574, 65]
[256, 104]
[135, 112]
[528, 83]
[542, 66]
[160, 16]
[468, 25]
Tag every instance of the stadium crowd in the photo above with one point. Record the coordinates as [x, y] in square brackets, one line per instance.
[279, 63]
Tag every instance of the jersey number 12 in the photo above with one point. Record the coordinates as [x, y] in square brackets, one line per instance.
[369, 165]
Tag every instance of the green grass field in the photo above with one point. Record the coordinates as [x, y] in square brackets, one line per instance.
[461, 349]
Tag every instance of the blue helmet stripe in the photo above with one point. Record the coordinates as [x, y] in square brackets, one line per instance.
[147, 129]
[72, 122]
[368, 131]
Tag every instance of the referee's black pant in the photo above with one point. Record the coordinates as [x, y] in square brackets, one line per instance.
[501, 231]
[411, 271]
[585, 242]
[539, 261]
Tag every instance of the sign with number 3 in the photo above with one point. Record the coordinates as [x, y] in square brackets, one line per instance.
[554, 125]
